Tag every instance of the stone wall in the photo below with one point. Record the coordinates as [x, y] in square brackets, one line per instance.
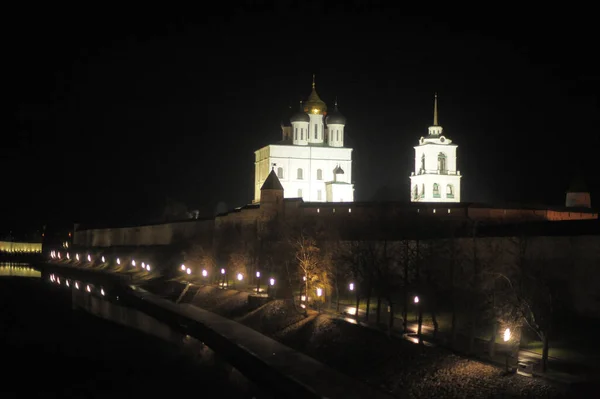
[157, 234]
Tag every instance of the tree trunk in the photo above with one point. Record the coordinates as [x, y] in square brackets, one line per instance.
[337, 297]
[357, 304]
[545, 351]
[419, 334]
[453, 326]
[492, 342]
[378, 309]
[472, 331]
[435, 322]
[391, 319]
[368, 303]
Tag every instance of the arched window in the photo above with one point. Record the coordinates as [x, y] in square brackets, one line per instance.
[416, 192]
[302, 134]
[299, 193]
[422, 164]
[319, 174]
[337, 135]
[316, 131]
[442, 164]
[449, 191]
[300, 174]
[295, 133]
[436, 190]
[422, 190]
[280, 172]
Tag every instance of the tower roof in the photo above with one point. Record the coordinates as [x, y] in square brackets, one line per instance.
[315, 105]
[435, 111]
[272, 182]
[336, 116]
[338, 170]
[577, 185]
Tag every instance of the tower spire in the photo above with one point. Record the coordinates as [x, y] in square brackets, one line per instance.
[313, 81]
[435, 111]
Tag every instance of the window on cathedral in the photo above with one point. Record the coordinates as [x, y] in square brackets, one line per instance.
[299, 193]
[436, 190]
[442, 164]
[280, 172]
[449, 191]
[302, 134]
[318, 195]
[422, 164]
[316, 131]
[300, 174]
[416, 192]
[337, 132]
[296, 133]
[319, 174]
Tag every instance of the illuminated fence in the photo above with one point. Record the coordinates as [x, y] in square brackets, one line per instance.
[20, 247]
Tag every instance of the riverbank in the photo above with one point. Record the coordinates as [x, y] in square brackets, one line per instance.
[394, 365]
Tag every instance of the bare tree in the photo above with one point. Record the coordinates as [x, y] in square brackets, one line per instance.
[311, 271]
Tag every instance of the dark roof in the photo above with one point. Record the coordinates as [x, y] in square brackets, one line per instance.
[272, 182]
[577, 185]
[300, 115]
[335, 117]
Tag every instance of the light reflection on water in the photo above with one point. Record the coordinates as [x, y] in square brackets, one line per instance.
[18, 269]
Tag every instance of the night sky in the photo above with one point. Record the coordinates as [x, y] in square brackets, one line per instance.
[116, 111]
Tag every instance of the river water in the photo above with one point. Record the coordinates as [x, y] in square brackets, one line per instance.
[50, 350]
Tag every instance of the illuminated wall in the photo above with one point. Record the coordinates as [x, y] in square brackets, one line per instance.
[31, 247]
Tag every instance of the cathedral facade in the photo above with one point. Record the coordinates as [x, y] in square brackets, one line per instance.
[435, 178]
[310, 161]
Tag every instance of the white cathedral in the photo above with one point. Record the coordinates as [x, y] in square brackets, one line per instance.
[311, 161]
[435, 178]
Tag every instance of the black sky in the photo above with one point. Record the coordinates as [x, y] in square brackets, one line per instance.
[114, 112]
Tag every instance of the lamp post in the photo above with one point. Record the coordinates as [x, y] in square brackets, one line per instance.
[223, 278]
[257, 282]
[506, 338]
[319, 293]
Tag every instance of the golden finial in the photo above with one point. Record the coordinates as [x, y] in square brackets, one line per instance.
[435, 111]
[313, 80]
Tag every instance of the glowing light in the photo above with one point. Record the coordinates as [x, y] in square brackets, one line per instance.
[204, 273]
[506, 334]
[58, 280]
[351, 286]
[77, 256]
[102, 291]
[272, 281]
[222, 271]
[133, 262]
[59, 255]
[319, 292]
[89, 258]
[416, 299]
[118, 261]
[148, 267]
[143, 265]
[183, 267]
[303, 298]
[76, 285]
[257, 274]
[67, 283]
[103, 260]
[240, 276]
[88, 289]
[304, 278]
[189, 271]
[68, 256]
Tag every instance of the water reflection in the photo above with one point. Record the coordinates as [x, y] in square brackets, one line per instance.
[17, 269]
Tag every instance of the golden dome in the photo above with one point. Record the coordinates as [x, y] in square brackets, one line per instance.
[315, 105]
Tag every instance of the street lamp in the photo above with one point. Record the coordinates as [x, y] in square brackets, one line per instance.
[183, 267]
[89, 258]
[351, 286]
[272, 281]
[506, 337]
[118, 261]
[416, 299]
[103, 260]
[204, 273]
[257, 282]
[133, 262]
[188, 271]
[240, 276]
[319, 293]
[77, 257]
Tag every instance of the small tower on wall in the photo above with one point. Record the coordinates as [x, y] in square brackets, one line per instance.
[271, 196]
[435, 178]
[578, 195]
